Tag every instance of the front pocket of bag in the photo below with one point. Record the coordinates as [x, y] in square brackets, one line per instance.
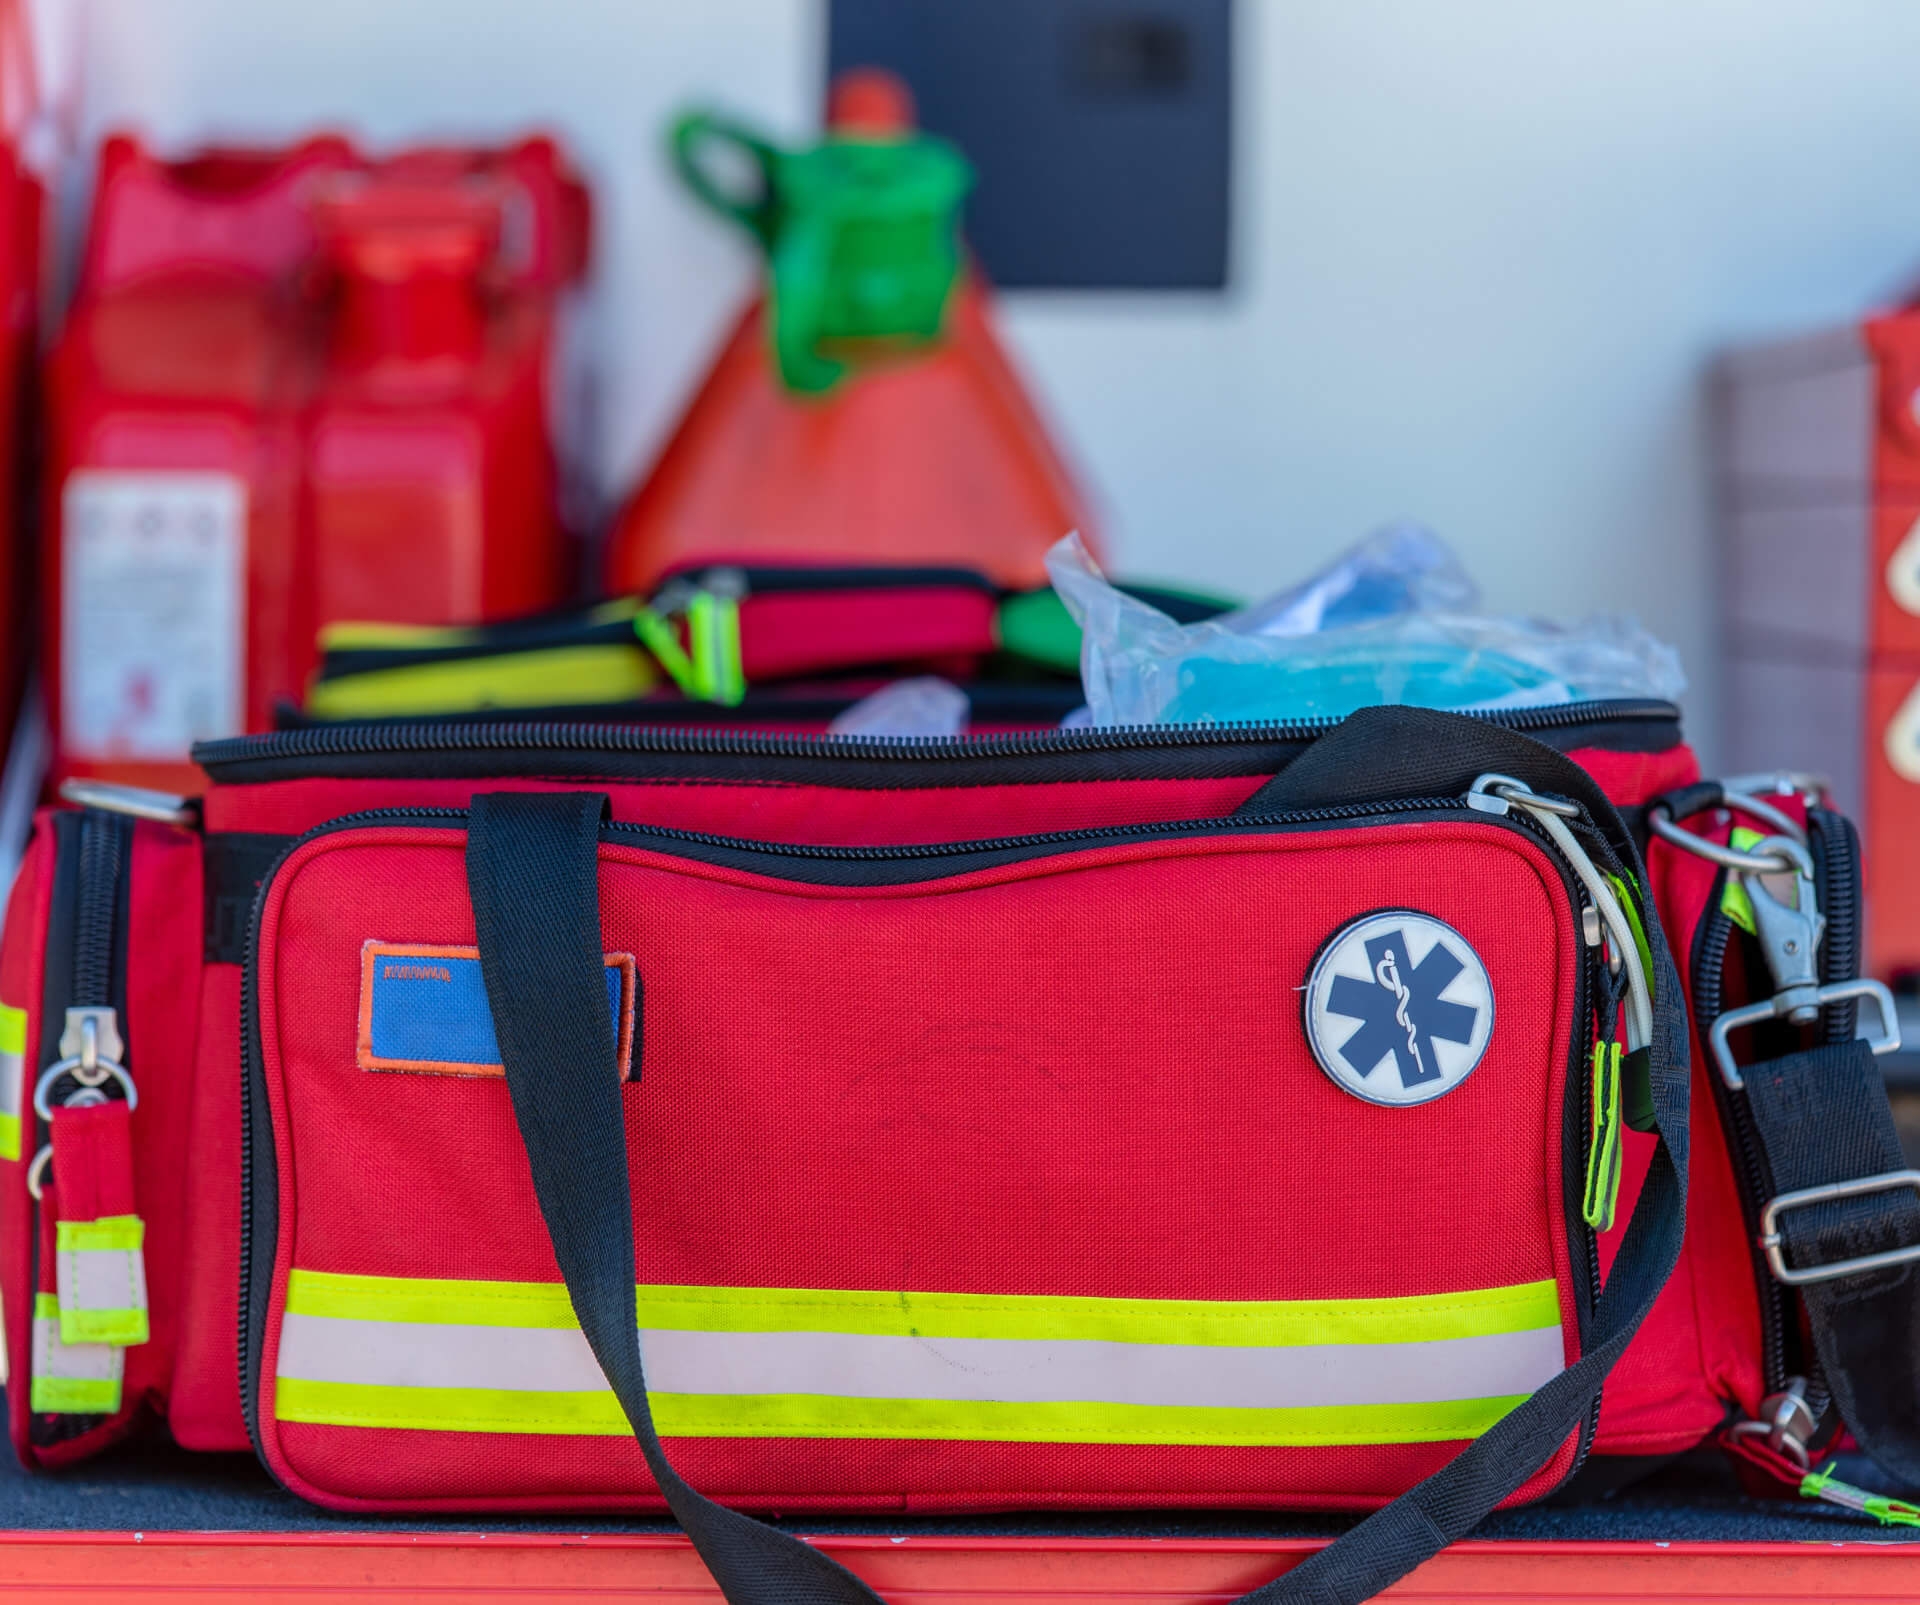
[1016, 1185]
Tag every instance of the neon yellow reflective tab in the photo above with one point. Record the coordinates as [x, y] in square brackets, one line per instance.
[549, 677]
[71, 1378]
[1734, 902]
[1480, 1312]
[101, 1274]
[369, 635]
[1628, 894]
[13, 1050]
[713, 633]
[75, 1396]
[657, 636]
[108, 1232]
[679, 1415]
[1601, 1197]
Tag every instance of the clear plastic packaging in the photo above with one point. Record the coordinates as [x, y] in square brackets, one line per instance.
[1391, 621]
[923, 706]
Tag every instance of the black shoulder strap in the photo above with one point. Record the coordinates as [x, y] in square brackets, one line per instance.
[1822, 1118]
[532, 870]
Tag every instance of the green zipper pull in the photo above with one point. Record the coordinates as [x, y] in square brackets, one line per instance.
[658, 637]
[1602, 1193]
[709, 667]
[713, 632]
[1824, 1486]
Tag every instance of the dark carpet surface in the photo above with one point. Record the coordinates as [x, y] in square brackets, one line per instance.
[153, 1487]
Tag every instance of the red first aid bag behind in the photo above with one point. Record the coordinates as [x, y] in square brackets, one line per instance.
[574, 1117]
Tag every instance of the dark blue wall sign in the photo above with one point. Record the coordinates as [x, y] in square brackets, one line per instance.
[1100, 129]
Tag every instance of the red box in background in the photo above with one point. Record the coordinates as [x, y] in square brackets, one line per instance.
[295, 387]
[1818, 446]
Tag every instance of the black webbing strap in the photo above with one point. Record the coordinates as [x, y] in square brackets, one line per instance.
[1822, 1117]
[532, 870]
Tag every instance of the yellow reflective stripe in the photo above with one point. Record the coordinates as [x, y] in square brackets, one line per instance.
[554, 676]
[13, 1049]
[74, 1396]
[71, 1378]
[683, 1415]
[102, 1280]
[108, 1232]
[1482, 1312]
[13, 1029]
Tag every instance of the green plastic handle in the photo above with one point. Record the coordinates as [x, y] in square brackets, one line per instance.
[756, 214]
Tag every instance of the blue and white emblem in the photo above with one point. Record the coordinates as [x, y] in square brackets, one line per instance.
[1399, 1007]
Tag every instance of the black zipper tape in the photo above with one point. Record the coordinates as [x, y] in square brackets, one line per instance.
[1711, 944]
[557, 749]
[1835, 848]
[259, 1196]
[85, 967]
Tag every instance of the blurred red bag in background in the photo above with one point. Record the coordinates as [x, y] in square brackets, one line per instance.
[295, 386]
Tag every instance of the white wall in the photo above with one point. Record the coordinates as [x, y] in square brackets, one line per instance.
[1483, 247]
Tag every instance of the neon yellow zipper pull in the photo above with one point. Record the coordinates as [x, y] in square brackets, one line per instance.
[1601, 1195]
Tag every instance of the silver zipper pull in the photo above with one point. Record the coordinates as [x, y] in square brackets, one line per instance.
[137, 802]
[91, 1051]
[1498, 794]
[1789, 933]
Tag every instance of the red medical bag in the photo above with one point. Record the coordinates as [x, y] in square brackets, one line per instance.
[1289, 1116]
[295, 386]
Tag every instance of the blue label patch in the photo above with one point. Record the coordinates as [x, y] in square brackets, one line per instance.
[424, 1009]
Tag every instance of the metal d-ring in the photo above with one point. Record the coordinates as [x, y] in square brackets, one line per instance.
[37, 1172]
[1660, 821]
[1783, 823]
[91, 1079]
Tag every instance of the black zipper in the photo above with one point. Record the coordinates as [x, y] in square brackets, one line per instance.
[103, 843]
[753, 580]
[85, 968]
[1835, 847]
[1743, 1142]
[259, 1202]
[563, 746]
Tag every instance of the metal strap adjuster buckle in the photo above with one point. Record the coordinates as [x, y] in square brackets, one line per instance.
[1886, 1040]
[1771, 1244]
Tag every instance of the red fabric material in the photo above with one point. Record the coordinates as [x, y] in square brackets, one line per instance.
[164, 937]
[1632, 778]
[775, 812]
[93, 1157]
[22, 971]
[204, 1408]
[788, 633]
[502, 1472]
[950, 1105]
[1699, 1348]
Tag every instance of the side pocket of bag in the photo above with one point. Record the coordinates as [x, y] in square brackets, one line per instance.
[203, 1410]
[22, 971]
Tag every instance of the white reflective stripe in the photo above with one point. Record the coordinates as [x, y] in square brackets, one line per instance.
[11, 1074]
[1021, 1371]
[82, 1362]
[101, 1279]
